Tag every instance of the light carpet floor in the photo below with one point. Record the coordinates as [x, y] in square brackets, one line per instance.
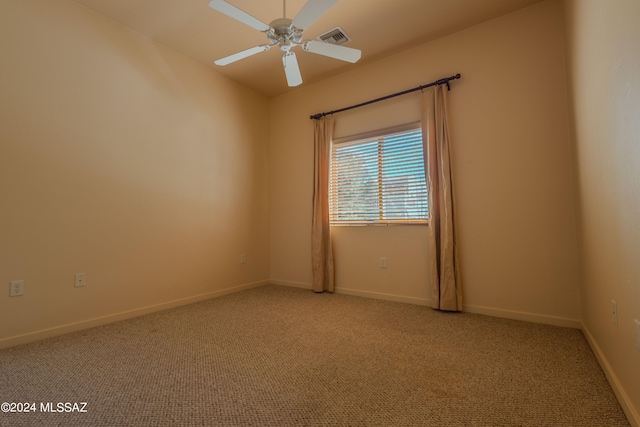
[278, 356]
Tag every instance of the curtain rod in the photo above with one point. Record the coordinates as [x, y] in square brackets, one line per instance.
[437, 82]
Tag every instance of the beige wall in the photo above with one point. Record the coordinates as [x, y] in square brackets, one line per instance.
[513, 177]
[604, 41]
[124, 160]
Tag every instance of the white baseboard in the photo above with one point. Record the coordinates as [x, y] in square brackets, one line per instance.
[291, 284]
[527, 317]
[625, 402]
[387, 297]
[494, 312]
[358, 293]
[116, 317]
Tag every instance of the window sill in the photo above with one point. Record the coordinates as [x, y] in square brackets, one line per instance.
[379, 224]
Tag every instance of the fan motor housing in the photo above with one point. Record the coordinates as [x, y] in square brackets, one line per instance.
[283, 33]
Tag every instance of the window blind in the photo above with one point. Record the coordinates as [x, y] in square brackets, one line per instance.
[379, 179]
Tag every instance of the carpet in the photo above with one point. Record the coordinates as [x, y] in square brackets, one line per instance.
[279, 356]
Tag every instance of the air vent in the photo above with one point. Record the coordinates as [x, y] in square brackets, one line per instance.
[335, 36]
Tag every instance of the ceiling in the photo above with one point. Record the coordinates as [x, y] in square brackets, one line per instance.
[378, 28]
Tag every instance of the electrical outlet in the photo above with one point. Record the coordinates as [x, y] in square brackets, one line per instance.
[79, 280]
[383, 262]
[636, 323]
[614, 312]
[243, 259]
[16, 288]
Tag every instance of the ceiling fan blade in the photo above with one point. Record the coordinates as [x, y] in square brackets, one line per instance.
[241, 55]
[291, 69]
[238, 14]
[310, 13]
[333, 51]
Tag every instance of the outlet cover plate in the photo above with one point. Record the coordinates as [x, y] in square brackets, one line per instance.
[16, 288]
[79, 280]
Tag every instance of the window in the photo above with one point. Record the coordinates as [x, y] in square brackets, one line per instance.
[379, 179]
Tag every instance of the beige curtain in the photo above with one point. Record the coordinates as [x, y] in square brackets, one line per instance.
[446, 292]
[321, 247]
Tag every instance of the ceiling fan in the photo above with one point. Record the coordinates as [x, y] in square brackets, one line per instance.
[287, 33]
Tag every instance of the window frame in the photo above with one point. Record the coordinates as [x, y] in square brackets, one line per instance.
[361, 139]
